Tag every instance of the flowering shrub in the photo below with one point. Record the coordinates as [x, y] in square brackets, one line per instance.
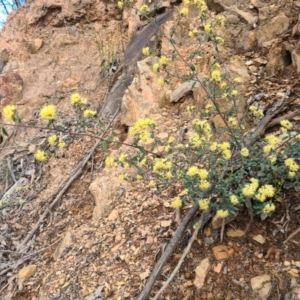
[216, 167]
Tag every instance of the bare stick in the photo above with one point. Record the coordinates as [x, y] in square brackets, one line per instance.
[168, 252]
[200, 224]
[292, 235]
[284, 117]
[62, 189]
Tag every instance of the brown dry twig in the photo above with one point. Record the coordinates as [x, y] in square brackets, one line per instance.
[292, 235]
[202, 220]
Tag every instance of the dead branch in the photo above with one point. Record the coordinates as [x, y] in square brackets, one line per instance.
[64, 187]
[201, 223]
[284, 117]
[292, 235]
[168, 252]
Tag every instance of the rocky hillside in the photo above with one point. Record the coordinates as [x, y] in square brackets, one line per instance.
[98, 238]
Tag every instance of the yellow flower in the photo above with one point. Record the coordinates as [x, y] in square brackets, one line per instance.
[216, 66]
[176, 203]
[298, 137]
[83, 101]
[139, 177]
[226, 154]
[224, 146]
[62, 143]
[192, 171]
[272, 139]
[52, 139]
[204, 204]
[208, 28]
[234, 93]
[190, 108]
[144, 136]
[203, 173]
[270, 207]
[223, 85]
[191, 34]
[163, 60]
[216, 76]
[142, 162]
[208, 107]
[186, 2]
[146, 51]
[168, 148]
[214, 146]
[292, 174]
[221, 21]
[254, 183]
[162, 164]
[224, 95]
[9, 112]
[123, 157]
[286, 124]
[272, 159]
[195, 140]
[75, 98]
[122, 177]
[237, 80]
[144, 8]
[232, 121]
[169, 175]
[261, 197]
[171, 140]
[126, 166]
[40, 155]
[120, 4]
[204, 185]
[109, 162]
[267, 149]
[161, 82]
[152, 183]
[48, 112]
[234, 200]
[156, 67]
[291, 164]
[248, 190]
[245, 152]
[180, 146]
[219, 40]
[221, 213]
[184, 12]
[89, 113]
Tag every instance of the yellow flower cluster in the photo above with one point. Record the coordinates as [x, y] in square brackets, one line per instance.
[152, 183]
[193, 171]
[286, 125]
[250, 188]
[156, 67]
[204, 204]
[89, 113]
[237, 80]
[270, 207]
[221, 213]
[292, 165]
[221, 21]
[62, 143]
[208, 28]
[190, 108]
[216, 76]
[204, 185]
[176, 203]
[234, 200]
[219, 40]
[40, 155]
[171, 140]
[232, 121]
[77, 99]
[256, 112]
[123, 157]
[48, 112]
[184, 12]
[264, 192]
[52, 139]
[208, 108]
[203, 125]
[146, 51]
[9, 112]
[144, 8]
[140, 129]
[245, 152]
[163, 60]
[109, 162]
[161, 82]
[162, 164]
[120, 4]
[272, 139]
[234, 93]
[223, 85]
[195, 140]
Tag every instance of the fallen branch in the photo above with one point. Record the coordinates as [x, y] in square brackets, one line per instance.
[64, 187]
[284, 117]
[167, 253]
[292, 235]
[202, 220]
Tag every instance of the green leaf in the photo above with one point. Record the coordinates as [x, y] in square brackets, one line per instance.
[4, 131]
[60, 128]
[104, 145]
[173, 42]
[174, 57]
[142, 150]
[192, 67]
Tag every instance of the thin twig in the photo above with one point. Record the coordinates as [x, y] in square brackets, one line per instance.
[292, 235]
[62, 189]
[200, 224]
[167, 253]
